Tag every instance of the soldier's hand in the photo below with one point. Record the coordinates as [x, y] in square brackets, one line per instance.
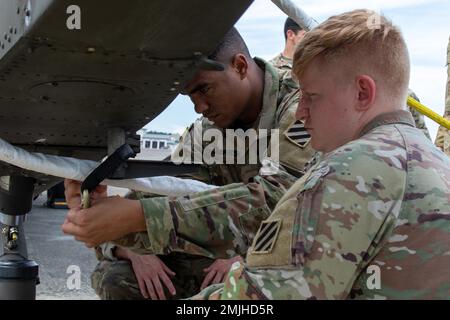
[106, 220]
[151, 273]
[72, 191]
[217, 272]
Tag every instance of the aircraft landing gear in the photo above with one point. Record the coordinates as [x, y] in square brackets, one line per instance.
[18, 274]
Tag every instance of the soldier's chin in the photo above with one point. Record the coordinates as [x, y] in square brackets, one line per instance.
[320, 147]
[220, 123]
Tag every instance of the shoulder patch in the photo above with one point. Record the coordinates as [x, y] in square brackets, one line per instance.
[297, 134]
[266, 236]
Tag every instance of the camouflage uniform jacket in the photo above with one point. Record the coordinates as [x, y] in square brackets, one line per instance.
[284, 65]
[281, 62]
[230, 215]
[370, 221]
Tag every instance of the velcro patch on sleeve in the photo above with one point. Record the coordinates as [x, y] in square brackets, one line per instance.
[297, 134]
[266, 237]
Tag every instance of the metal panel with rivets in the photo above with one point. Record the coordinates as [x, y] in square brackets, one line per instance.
[61, 90]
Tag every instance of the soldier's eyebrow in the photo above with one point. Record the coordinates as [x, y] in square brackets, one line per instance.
[306, 90]
[198, 87]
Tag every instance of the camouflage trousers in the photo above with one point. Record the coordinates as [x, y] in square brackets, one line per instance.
[115, 280]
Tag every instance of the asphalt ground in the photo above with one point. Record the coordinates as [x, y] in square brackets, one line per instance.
[60, 257]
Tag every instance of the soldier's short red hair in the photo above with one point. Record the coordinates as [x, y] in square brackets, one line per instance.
[362, 42]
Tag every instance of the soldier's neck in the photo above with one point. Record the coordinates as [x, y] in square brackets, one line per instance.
[288, 51]
[255, 102]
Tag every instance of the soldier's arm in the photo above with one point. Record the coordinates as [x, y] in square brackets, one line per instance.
[133, 241]
[223, 222]
[105, 251]
[219, 223]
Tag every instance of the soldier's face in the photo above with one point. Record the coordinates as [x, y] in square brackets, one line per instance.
[220, 96]
[327, 107]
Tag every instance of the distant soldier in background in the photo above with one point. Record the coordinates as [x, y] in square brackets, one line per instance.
[419, 119]
[443, 135]
[293, 34]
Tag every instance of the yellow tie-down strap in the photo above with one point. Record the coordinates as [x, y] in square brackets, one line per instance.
[413, 103]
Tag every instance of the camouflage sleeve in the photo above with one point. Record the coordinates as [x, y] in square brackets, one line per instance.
[219, 223]
[105, 251]
[136, 242]
[183, 152]
[329, 233]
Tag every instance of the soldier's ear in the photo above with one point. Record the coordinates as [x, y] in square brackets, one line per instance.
[240, 65]
[290, 34]
[366, 92]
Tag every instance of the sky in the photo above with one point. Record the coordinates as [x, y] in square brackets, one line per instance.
[425, 25]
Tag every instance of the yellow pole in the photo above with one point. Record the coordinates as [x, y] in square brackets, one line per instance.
[413, 103]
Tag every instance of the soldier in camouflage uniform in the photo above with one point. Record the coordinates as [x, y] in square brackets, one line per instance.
[371, 220]
[443, 136]
[114, 279]
[293, 34]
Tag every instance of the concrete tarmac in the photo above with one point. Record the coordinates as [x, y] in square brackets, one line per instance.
[60, 257]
